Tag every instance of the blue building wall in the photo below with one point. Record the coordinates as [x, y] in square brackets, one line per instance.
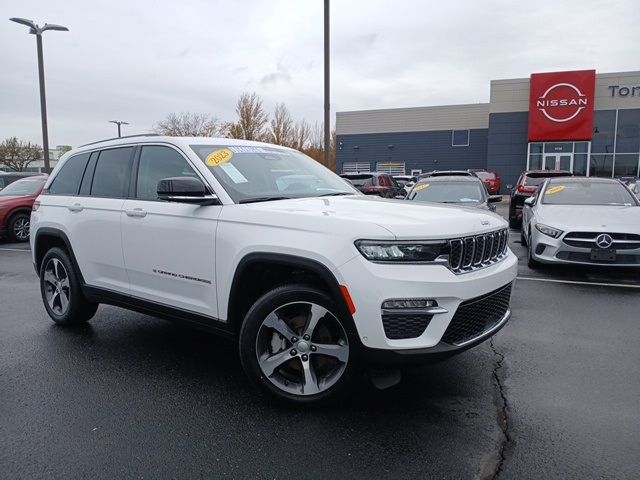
[425, 150]
[507, 145]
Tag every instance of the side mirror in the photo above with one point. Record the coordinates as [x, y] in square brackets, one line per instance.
[185, 190]
[495, 198]
[530, 202]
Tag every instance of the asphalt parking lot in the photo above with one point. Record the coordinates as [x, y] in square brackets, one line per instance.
[556, 394]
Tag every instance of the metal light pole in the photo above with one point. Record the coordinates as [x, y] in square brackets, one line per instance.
[38, 31]
[118, 122]
[327, 109]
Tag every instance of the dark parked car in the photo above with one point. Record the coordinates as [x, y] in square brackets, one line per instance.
[374, 183]
[447, 173]
[526, 186]
[7, 178]
[16, 202]
[490, 179]
[458, 190]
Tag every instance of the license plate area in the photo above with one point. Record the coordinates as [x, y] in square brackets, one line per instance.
[603, 254]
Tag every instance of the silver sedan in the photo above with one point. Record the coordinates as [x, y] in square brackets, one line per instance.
[574, 220]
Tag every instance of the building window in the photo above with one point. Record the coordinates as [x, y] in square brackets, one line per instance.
[601, 166]
[626, 165]
[392, 168]
[460, 138]
[604, 127]
[356, 167]
[628, 134]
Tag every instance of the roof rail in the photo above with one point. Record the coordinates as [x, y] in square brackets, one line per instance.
[118, 138]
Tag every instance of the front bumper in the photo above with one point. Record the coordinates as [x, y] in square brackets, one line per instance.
[545, 249]
[370, 284]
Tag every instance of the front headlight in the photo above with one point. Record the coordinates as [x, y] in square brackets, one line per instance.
[378, 251]
[549, 231]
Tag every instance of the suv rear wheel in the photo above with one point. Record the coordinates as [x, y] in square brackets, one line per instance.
[294, 345]
[61, 291]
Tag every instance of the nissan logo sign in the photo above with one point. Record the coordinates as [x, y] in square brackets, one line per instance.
[562, 102]
[604, 240]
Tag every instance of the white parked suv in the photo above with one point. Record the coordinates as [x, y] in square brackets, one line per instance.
[263, 244]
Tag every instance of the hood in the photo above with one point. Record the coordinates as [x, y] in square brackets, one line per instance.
[613, 218]
[402, 219]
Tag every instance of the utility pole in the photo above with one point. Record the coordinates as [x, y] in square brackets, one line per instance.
[327, 108]
[118, 122]
[38, 31]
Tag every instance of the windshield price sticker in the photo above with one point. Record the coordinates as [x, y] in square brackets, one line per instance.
[554, 190]
[421, 187]
[219, 157]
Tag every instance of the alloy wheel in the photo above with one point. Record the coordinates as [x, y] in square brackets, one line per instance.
[302, 348]
[56, 286]
[21, 228]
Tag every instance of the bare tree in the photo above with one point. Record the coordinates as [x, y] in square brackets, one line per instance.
[282, 130]
[232, 130]
[252, 118]
[301, 134]
[17, 155]
[315, 145]
[188, 124]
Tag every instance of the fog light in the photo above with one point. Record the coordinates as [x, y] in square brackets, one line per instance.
[408, 303]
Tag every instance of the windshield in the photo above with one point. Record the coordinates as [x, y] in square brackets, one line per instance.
[587, 193]
[23, 188]
[447, 192]
[486, 175]
[360, 180]
[260, 173]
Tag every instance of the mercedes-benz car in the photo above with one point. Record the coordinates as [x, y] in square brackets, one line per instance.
[593, 221]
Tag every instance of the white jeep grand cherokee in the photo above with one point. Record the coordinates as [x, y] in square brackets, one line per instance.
[265, 245]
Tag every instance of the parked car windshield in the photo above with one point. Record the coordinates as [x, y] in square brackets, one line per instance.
[23, 188]
[447, 192]
[486, 175]
[360, 180]
[261, 173]
[587, 193]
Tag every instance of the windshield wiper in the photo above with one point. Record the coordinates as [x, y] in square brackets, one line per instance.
[262, 199]
[335, 194]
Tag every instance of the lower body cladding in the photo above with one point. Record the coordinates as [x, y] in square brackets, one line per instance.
[545, 249]
[430, 313]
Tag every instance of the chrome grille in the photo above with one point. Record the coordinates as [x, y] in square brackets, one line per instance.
[478, 251]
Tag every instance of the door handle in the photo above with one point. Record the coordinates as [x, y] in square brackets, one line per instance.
[76, 207]
[136, 212]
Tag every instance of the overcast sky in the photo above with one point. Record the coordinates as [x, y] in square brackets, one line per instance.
[138, 61]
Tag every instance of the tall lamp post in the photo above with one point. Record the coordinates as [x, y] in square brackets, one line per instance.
[118, 122]
[327, 110]
[38, 31]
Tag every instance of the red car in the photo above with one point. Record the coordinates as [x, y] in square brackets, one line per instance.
[490, 179]
[16, 202]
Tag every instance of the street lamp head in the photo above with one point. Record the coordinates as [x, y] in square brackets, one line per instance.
[35, 29]
[53, 26]
[29, 23]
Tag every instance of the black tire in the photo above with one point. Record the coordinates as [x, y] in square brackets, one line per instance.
[514, 223]
[523, 240]
[17, 226]
[78, 309]
[252, 331]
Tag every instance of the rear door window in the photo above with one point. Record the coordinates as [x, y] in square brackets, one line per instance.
[361, 180]
[111, 177]
[67, 180]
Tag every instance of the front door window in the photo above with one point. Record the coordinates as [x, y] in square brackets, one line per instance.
[557, 162]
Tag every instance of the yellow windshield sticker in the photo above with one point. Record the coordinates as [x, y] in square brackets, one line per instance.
[554, 190]
[421, 187]
[219, 157]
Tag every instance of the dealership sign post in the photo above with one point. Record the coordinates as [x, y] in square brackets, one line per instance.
[561, 106]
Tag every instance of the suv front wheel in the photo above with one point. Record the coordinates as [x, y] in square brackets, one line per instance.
[294, 345]
[61, 290]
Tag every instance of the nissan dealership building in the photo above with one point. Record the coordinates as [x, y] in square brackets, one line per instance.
[581, 121]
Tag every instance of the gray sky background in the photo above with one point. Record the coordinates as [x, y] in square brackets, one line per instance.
[138, 61]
